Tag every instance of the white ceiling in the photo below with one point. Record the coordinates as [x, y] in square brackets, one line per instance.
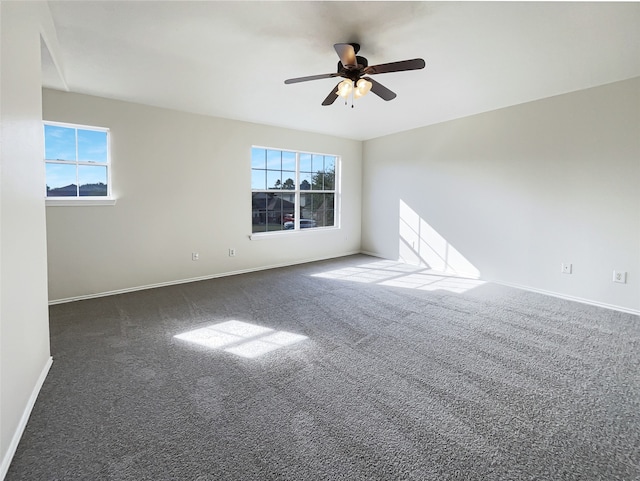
[230, 59]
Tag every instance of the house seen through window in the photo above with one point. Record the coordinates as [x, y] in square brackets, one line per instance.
[77, 161]
[292, 190]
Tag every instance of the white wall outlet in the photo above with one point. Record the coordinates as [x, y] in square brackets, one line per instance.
[232, 252]
[566, 268]
[619, 276]
[195, 256]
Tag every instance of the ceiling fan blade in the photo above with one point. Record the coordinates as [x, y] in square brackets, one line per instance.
[310, 77]
[414, 64]
[380, 90]
[332, 96]
[347, 53]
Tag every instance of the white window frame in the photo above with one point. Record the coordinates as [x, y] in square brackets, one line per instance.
[78, 200]
[298, 192]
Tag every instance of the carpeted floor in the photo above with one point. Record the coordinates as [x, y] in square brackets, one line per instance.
[333, 371]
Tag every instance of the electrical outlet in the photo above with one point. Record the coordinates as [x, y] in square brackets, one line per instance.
[195, 256]
[232, 252]
[566, 268]
[620, 277]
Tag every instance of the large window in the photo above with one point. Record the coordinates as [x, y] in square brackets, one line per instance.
[292, 190]
[77, 161]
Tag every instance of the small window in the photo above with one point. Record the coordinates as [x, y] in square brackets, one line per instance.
[292, 190]
[77, 161]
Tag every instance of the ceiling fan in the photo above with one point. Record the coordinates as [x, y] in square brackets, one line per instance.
[355, 70]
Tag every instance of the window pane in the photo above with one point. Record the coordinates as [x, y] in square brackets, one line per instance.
[305, 181]
[274, 160]
[61, 180]
[280, 208]
[318, 181]
[289, 182]
[329, 163]
[92, 180]
[330, 201]
[259, 179]
[259, 212]
[274, 179]
[258, 158]
[92, 146]
[317, 163]
[305, 163]
[326, 218]
[289, 161]
[271, 212]
[319, 208]
[330, 180]
[59, 143]
[305, 206]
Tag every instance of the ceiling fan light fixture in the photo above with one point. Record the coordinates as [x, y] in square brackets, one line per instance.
[344, 88]
[362, 88]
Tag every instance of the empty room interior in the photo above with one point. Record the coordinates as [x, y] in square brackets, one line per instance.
[320, 240]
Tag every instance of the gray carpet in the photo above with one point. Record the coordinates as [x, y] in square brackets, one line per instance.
[391, 383]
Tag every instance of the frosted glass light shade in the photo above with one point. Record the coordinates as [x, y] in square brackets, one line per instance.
[362, 88]
[344, 88]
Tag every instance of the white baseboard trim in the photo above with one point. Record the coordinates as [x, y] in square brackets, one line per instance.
[569, 298]
[549, 293]
[194, 279]
[372, 254]
[15, 440]
[287, 264]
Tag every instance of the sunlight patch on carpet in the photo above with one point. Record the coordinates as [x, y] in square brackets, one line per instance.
[399, 274]
[241, 338]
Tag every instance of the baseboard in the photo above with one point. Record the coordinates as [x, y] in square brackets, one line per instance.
[549, 293]
[287, 264]
[569, 298]
[194, 279]
[15, 440]
[372, 254]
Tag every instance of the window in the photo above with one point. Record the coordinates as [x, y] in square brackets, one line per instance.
[292, 190]
[77, 161]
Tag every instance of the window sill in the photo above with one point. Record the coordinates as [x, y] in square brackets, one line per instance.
[286, 233]
[78, 201]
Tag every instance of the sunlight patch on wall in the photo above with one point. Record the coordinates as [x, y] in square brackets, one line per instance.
[398, 274]
[241, 338]
[420, 244]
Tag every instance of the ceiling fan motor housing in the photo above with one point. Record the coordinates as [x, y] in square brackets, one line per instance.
[353, 72]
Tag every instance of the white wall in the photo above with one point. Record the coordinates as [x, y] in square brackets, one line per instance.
[24, 327]
[511, 194]
[183, 185]
[508, 195]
